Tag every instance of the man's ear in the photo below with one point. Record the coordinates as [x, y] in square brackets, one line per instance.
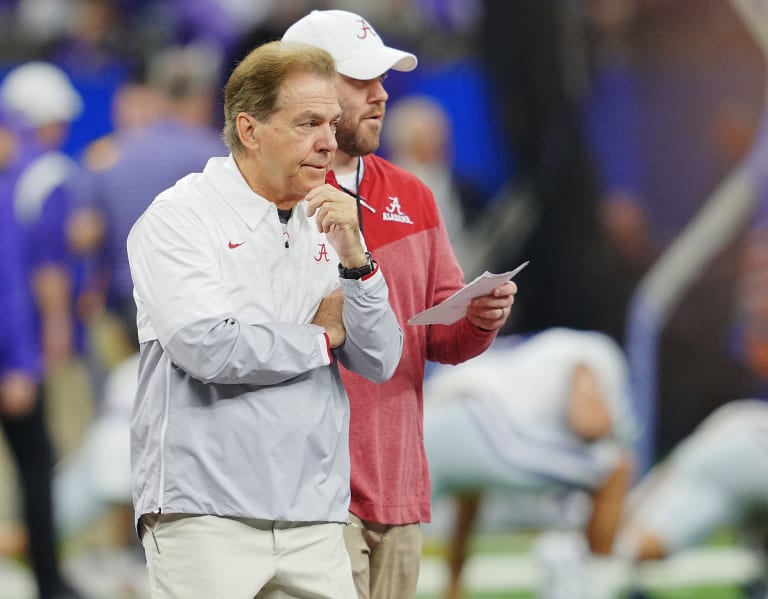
[246, 130]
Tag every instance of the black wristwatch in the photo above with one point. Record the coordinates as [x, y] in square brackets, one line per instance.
[360, 271]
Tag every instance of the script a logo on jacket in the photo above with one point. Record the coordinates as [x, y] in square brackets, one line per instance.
[395, 213]
[322, 253]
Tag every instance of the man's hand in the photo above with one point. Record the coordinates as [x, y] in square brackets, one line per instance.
[490, 312]
[329, 316]
[17, 394]
[337, 217]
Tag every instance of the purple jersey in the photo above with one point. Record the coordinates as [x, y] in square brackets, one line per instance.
[41, 186]
[18, 347]
[149, 162]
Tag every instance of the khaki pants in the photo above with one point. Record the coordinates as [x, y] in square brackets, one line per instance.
[208, 557]
[385, 558]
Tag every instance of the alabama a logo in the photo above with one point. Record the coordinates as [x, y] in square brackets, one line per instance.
[395, 213]
[322, 253]
[365, 29]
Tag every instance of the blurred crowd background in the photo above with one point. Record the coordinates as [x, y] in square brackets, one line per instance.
[595, 138]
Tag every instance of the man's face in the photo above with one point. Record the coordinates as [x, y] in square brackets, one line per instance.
[295, 146]
[363, 104]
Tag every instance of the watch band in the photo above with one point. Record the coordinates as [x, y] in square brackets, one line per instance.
[360, 271]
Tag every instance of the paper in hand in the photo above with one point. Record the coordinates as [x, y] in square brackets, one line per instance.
[455, 307]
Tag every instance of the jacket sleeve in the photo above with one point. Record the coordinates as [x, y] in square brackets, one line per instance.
[190, 311]
[225, 351]
[374, 340]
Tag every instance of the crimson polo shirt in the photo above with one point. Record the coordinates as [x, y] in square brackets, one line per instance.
[405, 234]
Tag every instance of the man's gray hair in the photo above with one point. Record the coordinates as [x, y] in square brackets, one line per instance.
[254, 86]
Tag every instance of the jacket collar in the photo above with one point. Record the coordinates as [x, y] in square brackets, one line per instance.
[229, 183]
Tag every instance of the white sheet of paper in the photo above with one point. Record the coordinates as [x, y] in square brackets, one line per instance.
[455, 307]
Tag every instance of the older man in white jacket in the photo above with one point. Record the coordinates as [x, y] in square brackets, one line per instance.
[240, 428]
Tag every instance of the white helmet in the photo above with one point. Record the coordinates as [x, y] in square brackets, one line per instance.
[40, 93]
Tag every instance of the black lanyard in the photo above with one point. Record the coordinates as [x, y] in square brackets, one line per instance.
[356, 193]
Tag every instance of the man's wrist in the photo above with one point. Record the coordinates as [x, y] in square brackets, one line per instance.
[356, 260]
[481, 329]
[358, 272]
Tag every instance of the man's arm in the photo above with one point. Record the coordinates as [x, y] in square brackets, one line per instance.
[18, 356]
[588, 413]
[329, 317]
[472, 335]
[365, 320]
[52, 286]
[374, 340]
[197, 326]
[193, 318]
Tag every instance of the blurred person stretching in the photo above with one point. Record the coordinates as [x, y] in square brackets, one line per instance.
[547, 416]
[252, 283]
[402, 225]
[35, 194]
[714, 477]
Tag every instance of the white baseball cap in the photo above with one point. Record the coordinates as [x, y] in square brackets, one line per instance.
[355, 46]
[40, 93]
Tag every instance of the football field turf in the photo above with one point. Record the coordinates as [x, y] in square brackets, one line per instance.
[501, 567]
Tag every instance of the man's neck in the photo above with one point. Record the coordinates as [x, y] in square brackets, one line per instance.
[344, 164]
[253, 181]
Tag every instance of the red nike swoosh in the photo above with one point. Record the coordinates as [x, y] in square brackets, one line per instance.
[232, 245]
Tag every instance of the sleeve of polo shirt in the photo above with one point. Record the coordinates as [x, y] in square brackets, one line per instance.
[175, 273]
[462, 340]
[374, 340]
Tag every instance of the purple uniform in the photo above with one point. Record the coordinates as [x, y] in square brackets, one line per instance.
[42, 187]
[17, 339]
[150, 161]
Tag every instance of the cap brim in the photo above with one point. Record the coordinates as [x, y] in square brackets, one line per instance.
[369, 65]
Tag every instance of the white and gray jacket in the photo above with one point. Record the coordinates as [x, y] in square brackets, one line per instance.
[240, 410]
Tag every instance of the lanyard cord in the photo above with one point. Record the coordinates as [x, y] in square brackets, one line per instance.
[357, 193]
[358, 200]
